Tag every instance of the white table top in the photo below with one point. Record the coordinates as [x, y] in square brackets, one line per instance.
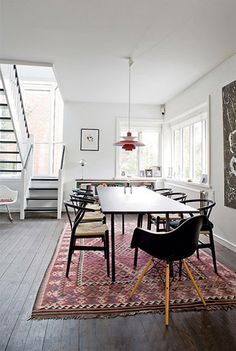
[138, 200]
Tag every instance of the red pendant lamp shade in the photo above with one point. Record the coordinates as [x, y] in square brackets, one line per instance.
[129, 143]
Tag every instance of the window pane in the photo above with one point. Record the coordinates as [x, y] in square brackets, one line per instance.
[186, 152]
[197, 150]
[131, 162]
[149, 154]
[128, 159]
[176, 152]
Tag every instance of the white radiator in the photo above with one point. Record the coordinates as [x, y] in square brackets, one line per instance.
[191, 191]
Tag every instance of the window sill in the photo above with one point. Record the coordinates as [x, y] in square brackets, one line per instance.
[188, 184]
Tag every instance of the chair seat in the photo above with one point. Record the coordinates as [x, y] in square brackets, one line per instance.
[93, 216]
[91, 229]
[3, 201]
[172, 216]
[95, 207]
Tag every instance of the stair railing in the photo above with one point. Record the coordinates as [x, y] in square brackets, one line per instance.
[60, 184]
[26, 175]
[14, 98]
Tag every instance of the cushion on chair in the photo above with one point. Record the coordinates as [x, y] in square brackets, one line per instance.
[93, 216]
[6, 200]
[91, 229]
[95, 207]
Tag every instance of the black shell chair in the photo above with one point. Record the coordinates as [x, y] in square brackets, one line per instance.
[175, 245]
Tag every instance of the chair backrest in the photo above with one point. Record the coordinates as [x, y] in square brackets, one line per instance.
[170, 246]
[178, 196]
[163, 191]
[8, 194]
[205, 206]
[78, 211]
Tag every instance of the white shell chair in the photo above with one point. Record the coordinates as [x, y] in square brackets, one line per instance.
[7, 197]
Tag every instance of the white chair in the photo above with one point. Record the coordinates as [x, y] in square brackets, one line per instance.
[7, 197]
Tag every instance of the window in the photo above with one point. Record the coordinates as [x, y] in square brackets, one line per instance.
[44, 110]
[190, 147]
[130, 163]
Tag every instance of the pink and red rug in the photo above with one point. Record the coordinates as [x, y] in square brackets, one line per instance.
[88, 292]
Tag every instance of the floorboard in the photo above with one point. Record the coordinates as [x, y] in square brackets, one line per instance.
[26, 248]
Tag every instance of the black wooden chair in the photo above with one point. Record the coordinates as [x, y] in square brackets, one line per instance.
[163, 191]
[205, 207]
[160, 220]
[175, 245]
[90, 216]
[84, 230]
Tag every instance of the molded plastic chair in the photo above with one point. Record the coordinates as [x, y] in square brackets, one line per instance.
[175, 245]
[7, 197]
[80, 230]
[205, 207]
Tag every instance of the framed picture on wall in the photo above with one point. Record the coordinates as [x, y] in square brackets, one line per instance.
[89, 139]
[148, 172]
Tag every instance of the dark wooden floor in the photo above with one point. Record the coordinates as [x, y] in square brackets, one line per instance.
[26, 248]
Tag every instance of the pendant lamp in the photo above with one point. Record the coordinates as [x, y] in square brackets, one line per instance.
[129, 142]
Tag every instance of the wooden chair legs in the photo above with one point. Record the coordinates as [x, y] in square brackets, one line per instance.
[141, 276]
[167, 290]
[167, 285]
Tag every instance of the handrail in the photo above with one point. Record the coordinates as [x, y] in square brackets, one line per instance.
[27, 157]
[63, 156]
[21, 100]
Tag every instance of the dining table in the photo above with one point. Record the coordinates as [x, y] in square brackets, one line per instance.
[136, 200]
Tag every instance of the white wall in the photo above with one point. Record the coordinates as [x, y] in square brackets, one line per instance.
[224, 218]
[100, 164]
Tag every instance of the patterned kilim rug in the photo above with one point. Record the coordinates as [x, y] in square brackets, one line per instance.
[88, 292]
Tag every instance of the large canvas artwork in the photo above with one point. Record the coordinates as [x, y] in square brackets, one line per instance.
[229, 124]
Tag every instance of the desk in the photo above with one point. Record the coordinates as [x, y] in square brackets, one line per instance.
[135, 200]
[149, 182]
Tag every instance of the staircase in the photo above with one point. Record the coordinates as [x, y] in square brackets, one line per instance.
[10, 162]
[42, 195]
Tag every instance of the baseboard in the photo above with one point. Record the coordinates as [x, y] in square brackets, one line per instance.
[225, 243]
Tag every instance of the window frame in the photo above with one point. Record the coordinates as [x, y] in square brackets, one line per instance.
[142, 124]
[190, 118]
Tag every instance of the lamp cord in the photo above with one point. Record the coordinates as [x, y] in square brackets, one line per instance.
[130, 64]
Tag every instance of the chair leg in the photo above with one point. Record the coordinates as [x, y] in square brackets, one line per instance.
[167, 291]
[197, 253]
[193, 282]
[9, 214]
[107, 253]
[135, 257]
[149, 223]
[69, 256]
[213, 253]
[123, 223]
[141, 276]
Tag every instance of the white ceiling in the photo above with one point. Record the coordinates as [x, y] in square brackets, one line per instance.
[173, 43]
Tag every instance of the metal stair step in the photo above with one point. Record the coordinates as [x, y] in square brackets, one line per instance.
[7, 130]
[8, 118]
[10, 170]
[9, 161]
[44, 179]
[43, 188]
[41, 209]
[10, 152]
[7, 141]
[42, 198]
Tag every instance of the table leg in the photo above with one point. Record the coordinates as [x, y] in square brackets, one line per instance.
[123, 223]
[113, 269]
